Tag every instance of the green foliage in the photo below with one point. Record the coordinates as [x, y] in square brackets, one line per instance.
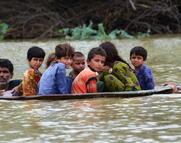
[3, 30]
[87, 32]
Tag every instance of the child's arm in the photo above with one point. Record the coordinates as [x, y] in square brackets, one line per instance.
[62, 82]
[85, 87]
[85, 82]
[17, 91]
[149, 79]
[78, 87]
[123, 72]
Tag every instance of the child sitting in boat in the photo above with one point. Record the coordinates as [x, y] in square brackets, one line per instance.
[86, 81]
[78, 64]
[138, 56]
[29, 85]
[6, 74]
[118, 75]
[54, 80]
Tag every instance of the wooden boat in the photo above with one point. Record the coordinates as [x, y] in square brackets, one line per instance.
[125, 94]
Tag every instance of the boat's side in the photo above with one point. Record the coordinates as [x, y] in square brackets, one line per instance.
[125, 94]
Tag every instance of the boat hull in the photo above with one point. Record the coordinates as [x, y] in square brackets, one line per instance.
[125, 94]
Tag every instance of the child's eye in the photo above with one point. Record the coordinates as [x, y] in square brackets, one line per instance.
[4, 71]
[41, 60]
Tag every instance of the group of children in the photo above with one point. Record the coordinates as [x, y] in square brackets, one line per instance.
[103, 71]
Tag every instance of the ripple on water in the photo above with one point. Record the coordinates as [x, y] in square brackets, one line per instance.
[150, 119]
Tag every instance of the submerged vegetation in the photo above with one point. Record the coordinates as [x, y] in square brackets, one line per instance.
[87, 32]
[44, 19]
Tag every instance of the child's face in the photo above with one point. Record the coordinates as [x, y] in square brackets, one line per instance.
[35, 63]
[136, 60]
[67, 61]
[5, 75]
[78, 64]
[97, 63]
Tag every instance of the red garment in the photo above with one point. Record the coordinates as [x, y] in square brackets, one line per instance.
[85, 82]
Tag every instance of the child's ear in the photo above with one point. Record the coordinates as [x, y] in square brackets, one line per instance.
[87, 62]
[11, 75]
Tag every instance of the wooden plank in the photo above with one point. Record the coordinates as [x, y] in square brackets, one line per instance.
[125, 94]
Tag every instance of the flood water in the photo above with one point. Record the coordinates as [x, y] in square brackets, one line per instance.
[154, 119]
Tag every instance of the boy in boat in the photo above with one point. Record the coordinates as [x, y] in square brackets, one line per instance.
[138, 56]
[54, 80]
[6, 74]
[32, 75]
[86, 81]
[78, 64]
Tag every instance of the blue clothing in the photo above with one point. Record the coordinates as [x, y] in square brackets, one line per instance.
[54, 80]
[145, 78]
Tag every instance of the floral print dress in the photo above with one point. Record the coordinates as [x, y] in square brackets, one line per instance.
[29, 85]
[121, 78]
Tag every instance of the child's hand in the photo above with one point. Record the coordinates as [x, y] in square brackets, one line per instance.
[172, 85]
[15, 92]
[107, 69]
[1, 92]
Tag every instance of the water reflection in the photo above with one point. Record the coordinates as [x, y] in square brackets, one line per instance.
[144, 119]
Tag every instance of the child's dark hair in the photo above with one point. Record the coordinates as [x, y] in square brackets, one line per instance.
[35, 52]
[63, 50]
[112, 53]
[96, 51]
[5, 63]
[78, 54]
[51, 58]
[139, 51]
